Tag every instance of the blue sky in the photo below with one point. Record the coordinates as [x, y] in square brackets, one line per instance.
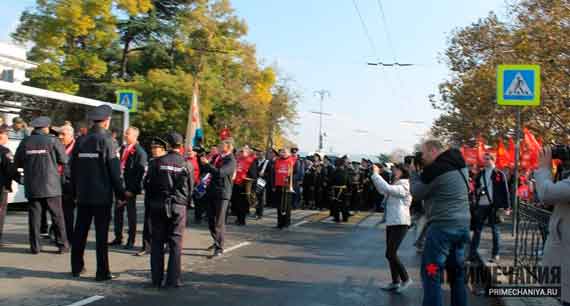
[321, 45]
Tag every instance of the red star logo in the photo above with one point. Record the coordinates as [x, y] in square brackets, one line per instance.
[431, 270]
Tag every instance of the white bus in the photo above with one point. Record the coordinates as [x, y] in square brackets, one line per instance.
[29, 102]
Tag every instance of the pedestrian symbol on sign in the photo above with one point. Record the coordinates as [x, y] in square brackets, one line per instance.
[128, 99]
[518, 87]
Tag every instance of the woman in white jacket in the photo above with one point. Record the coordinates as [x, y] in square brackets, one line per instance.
[398, 221]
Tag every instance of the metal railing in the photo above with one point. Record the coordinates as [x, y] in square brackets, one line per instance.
[531, 234]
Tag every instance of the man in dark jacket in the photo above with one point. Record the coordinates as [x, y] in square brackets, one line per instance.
[66, 137]
[262, 167]
[491, 193]
[96, 174]
[133, 166]
[339, 180]
[443, 186]
[220, 192]
[40, 155]
[8, 173]
[168, 184]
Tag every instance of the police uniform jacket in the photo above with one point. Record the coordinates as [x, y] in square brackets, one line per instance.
[39, 155]
[169, 177]
[96, 169]
[339, 177]
[8, 171]
[220, 188]
[135, 168]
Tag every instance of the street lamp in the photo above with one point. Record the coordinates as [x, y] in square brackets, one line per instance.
[322, 94]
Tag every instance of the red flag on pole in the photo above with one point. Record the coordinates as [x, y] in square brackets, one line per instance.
[532, 148]
[469, 154]
[480, 151]
[502, 155]
[225, 134]
[511, 153]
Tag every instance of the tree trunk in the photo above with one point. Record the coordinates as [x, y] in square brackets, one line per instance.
[125, 58]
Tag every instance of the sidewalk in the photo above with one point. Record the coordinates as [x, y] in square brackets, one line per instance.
[507, 254]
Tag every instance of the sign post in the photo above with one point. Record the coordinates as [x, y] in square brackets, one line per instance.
[127, 98]
[519, 86]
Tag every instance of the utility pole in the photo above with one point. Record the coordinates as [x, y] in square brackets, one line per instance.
[322, 94]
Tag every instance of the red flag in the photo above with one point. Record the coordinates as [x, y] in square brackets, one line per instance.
[470, 155]
[480, 151]
[532, 148]
[511, 153]
[502, 155]
[225, 134]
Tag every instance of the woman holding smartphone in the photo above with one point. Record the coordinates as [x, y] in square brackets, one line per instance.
[398, 220]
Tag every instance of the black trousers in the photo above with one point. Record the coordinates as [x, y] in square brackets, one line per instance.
[261, 199]
[131, 208]
[241, 204]
[217, 211]
[3, 210]
[339, 205]
[147, 228]
[68, 206]
[395, 234]
[199, 209]
[44, 222]
[53, 205]
[101, 214]
[170, 231]
[283, 199]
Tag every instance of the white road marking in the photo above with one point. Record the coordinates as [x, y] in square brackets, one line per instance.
[300, 223]
[235, 247]
[87, 300]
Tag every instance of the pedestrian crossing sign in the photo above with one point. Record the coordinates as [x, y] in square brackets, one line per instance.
[128, 99]
[518, 85]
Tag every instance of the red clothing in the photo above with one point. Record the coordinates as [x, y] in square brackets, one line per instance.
[128, 151]
[243, 165]
[283, 169]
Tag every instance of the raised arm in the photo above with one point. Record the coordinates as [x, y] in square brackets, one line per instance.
[393, 190]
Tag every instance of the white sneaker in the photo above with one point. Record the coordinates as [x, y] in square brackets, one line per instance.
[404, 286]
[495, 259]
[391, 287]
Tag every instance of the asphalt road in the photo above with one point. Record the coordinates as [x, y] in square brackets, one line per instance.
[316, 263]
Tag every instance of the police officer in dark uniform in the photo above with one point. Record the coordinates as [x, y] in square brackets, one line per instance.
[8, 173]
[339, 191]
[96, 174]
[168, 184]
[40, 155]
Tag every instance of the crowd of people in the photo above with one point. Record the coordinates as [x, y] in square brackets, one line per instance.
[444, 197]
[224, 181]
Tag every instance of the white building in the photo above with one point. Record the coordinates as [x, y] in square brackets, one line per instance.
[13, 63]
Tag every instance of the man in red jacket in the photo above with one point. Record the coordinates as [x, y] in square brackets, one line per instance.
[282, 187]
[246, 173]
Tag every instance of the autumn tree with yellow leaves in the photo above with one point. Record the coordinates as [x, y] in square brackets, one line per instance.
[535, 32]
[161, 48]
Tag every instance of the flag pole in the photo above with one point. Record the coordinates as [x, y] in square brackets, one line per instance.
[191, 126]
[515, 197]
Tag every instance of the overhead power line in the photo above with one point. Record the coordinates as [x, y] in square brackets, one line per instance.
[387, 31]
[365, 28]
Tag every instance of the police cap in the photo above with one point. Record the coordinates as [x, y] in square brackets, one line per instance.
[157, 141]
[41, 122]
[174, 139]
[100, 113]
